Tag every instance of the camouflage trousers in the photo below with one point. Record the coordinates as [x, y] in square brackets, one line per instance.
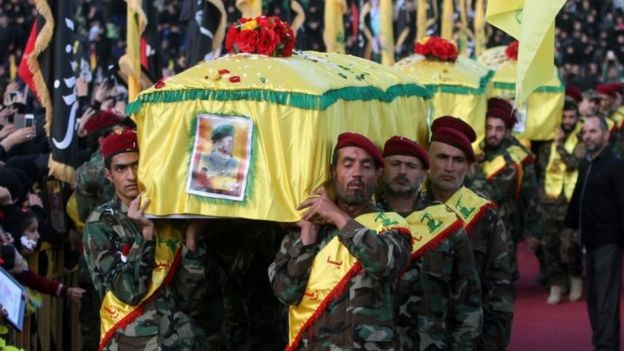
[556, 271]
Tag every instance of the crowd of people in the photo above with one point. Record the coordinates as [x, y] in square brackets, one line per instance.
[455, 292]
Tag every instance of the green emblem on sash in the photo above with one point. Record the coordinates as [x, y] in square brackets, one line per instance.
[385, 220]
[432, 223]
[465, 211]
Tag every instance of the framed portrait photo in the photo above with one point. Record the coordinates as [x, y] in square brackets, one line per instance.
[221, 157]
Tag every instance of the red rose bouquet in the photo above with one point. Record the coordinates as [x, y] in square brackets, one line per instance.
[512, 50]
[436, 48]
[262, 35]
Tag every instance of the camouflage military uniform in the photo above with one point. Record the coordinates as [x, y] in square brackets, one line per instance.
[439, 296]
[551, 223]
[516, 207]
[165, 322]
[92, 187]
[491, 248]
[361, 318]
[92, 190]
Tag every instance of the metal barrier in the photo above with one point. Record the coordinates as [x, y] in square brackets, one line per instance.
[56, 325]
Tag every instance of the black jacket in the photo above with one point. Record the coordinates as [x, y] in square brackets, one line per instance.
[597, 205]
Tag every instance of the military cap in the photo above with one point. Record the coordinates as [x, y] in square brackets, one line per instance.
[398, 145]
[455, 132]
[221, 131]
[358, 140]
[121, 140]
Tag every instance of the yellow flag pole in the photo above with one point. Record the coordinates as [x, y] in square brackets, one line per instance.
[333, 31]
[447, 20]
[479, 27]
[387, 33]
[421, 21]
[133, 47]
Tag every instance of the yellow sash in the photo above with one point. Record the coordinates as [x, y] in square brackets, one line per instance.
[114, 313]
[493, 167]
[520, 158]
[430, 226]
[331, 271]
[469, 207]
[616, 121]
[558, 177]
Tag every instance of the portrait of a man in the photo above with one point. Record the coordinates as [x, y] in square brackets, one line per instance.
[221, 157]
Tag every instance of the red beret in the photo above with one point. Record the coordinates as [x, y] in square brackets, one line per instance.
[358, 140]
[607, 89]
[502, 109]
[122, 140]
[618, 87]
[574, 92]
[101, 120]
[455, 132]
[398, 145]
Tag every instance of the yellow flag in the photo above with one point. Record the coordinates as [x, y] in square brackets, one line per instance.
[479, 28]
[447, 20]
[421, 22]
[249, 8]
[130, 63]
[387, 33]
[333, 32]
[532, 22]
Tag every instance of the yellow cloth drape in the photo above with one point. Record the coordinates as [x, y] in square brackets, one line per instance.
[430, 226]
[298, 106]
[459, 89]
[543, 108]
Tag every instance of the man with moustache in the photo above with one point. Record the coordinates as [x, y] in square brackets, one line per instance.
[596, 210]
[559, 160]
[508, 175]
[451, 155]
[148, 280]
[337, 273]
[438, 303]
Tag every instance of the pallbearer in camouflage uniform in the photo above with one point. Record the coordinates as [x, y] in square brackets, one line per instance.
[451, 156]
[508, 175]
[559, 161]
[148, 279]
[338, 277]
[610, 100]
[439, 294]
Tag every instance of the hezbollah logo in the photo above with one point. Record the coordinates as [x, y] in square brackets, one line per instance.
[432, 223]
[465, 211]
[385, 220]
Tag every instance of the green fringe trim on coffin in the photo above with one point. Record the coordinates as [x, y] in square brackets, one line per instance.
[299, 100]
[542, 89]
[461, 90]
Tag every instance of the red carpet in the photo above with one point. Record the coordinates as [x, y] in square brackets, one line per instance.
[538, 326]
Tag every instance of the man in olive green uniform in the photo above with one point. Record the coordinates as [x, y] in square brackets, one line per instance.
[439, 294]
[451, 156]
[338, 277]
[508, 175]
[610, 107]
[149, 281]
[559, 160]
